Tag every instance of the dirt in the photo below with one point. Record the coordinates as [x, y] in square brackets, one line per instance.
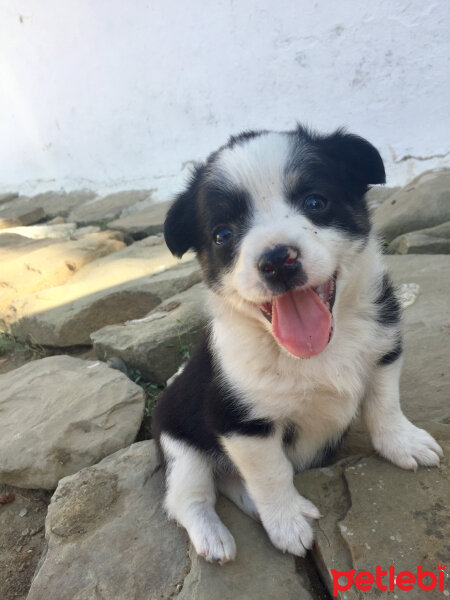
[21, 538]
[22, 520]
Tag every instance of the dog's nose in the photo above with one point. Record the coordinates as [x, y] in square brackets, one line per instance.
[280, 266]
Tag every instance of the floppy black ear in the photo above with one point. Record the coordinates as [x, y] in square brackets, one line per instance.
[361, 160]
[180, 226]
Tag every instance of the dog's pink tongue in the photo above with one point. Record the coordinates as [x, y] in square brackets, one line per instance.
[301, 322]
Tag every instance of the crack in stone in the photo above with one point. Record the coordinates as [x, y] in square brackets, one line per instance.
[312, 577]
[349, 506]
[420, 158]
[188, 568]
[319, 561]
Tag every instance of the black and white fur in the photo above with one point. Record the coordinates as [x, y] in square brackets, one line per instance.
[245, 415]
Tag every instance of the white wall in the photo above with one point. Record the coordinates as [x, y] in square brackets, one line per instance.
[112, 94]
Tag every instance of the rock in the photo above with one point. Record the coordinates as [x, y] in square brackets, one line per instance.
[13, 216]
[425, 381]
[60, 203]
[108, 537]
[158, 343]
[378, 514]
[426, 335]
[88, 229]
[434, 240]
[60, 414]
[21, 538]
[7, 197]
[140, 259]
[13, 245]
[57, 221]
[50, 204]
[107, 208]
[423, 203]
[378, 194]
[66, 316]
[51, 265]
[143, 223]
[61, 231]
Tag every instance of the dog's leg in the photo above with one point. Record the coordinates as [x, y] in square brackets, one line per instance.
[232, 487]
[268, 476]
[190, 500]
[393, 435]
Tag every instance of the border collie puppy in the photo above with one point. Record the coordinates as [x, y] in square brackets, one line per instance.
[305, 332]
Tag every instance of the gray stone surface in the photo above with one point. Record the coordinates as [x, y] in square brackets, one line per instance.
[434, 240]
[423, 203]
[13, 216]
[51, 265]
[50, 204]
[145, 222]
[7, 197]
[108, 537]
[62, 231]
[66, 317]
[108, 207]
[378, 514]
[60, 203]
[158, 343]
[425, 378]
[60, 414]
[378, 194]
[13, 245]
[425, 381]
[140, 259]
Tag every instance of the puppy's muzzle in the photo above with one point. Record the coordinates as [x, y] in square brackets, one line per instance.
[281, 269]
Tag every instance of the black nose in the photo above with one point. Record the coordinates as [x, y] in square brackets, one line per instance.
[281, 268]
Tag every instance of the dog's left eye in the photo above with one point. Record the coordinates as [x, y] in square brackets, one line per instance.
[222, 235]
[315, 203]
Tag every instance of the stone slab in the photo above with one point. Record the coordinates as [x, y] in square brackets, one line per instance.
[157, 344]
[68, 315]
[60, 414]
[434, 240]
[423, 203]
[145, 222]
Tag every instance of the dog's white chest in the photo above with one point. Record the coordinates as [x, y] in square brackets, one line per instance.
[318, 397]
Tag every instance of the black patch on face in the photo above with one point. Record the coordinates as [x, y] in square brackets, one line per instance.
[338, 168]
[221, 205]
[198, 408]
[388, 307]
[392, 356]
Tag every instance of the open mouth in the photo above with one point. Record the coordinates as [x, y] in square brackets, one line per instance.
[302, 320]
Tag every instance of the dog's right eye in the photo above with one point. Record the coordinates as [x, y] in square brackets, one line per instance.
[222, 235]
[315, 203]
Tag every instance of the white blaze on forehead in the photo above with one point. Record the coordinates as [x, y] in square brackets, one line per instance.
[257, 166]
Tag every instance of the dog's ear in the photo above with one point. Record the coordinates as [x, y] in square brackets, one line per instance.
[180, 226]
[361, 160]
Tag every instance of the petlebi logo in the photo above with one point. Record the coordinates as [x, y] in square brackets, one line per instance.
[389, 580]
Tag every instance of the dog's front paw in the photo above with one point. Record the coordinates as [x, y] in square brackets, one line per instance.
[288, 524]
[407, 446]
[213, 541]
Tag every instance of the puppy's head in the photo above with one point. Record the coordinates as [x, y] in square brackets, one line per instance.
[272, 216]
